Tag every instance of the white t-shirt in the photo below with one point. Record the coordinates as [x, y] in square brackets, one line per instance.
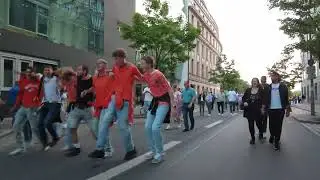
[147, 94]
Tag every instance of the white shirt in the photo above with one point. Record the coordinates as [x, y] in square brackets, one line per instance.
[147, 94]
[275, 97]
[232, 96]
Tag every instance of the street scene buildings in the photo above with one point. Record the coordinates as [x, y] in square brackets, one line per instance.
[59, 33]
[208, 49]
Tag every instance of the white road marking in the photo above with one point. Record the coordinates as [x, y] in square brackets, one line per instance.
[213, 124]
[129, 165]
[309, 127]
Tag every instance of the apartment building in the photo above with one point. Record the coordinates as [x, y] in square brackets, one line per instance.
[208, 49]
[58, 33]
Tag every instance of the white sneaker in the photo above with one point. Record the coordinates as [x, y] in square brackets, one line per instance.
[179, 126]
[219, 114]
[168, 127]
[108, 154]
[17, 151]
[209, 114]
[47, 148]
[149, 156]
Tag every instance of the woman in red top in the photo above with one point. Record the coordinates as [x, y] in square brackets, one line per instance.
[28, 90]
[159, 110]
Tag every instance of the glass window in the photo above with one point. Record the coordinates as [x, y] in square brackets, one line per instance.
[23, 14]
[8, 73]
[29, 16]
[42, 20]
[191, 66]
[24, 66]
[40, 66]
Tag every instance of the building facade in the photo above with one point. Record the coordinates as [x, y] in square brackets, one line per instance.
[208, 47]
[58, 33]
[305, 84]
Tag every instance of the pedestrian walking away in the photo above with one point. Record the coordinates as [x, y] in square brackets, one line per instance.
[188, 99]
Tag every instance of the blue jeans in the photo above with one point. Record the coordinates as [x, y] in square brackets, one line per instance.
[153, 130]
[146, 105]
[122, 121]
[48, 113]
[27, 133]
[22, 116]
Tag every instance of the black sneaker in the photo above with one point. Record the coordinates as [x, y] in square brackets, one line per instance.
[271, 140]
[252, 141]
[54, 142]
[130, 155]
[276, 146]
[73, 152]
[185, 130]
[96, 154]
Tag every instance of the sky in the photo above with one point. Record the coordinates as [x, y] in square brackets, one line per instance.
[249, 33]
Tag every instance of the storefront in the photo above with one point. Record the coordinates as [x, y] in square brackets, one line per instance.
[12, 64]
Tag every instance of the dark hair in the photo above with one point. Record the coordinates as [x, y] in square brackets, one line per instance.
[257, 81]
[121, 53]
[174, 86]
[30, 68]
[85, 68]
[149, 60]
[48, 66]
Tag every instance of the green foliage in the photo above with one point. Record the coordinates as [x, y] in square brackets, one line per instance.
[302, 21]
[291, 72]
[226, 75]
[166, 38]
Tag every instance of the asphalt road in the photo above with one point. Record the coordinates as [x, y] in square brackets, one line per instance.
[38, 165]
[218, 148]
[225, 154]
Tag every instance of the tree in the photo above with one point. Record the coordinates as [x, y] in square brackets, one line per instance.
[166, 38]
[302, 21]
[225, 74]
[242, 86]
[291, 72]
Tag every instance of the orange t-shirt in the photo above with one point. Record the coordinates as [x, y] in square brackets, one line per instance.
[71, 89]
[157, 83]
[102, 86]
[123, 80]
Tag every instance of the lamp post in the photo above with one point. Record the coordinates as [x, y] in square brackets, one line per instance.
[311, 75]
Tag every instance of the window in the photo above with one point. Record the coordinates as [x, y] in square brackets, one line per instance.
[316, 91]
[29, 16]
[203, 51]
[207, 72]
[198, 47]
[198, 68]
[191, 66]
[202, 70]
[192, 19]
[24, 66]
[8, 73]
[40, 66]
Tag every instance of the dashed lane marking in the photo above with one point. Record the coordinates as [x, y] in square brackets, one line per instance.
[129, 165]
[213, 124]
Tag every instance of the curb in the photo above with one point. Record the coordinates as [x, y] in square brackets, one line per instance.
[305, 121]
[5, 133]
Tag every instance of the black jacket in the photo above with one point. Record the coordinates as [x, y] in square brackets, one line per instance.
[284, 96]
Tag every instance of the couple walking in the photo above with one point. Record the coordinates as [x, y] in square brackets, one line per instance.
[261, 101]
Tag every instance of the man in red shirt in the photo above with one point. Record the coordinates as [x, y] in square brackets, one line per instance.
[27, 104]
[124, 74]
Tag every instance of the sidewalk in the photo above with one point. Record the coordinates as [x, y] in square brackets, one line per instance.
[5, 127]
[301, 113]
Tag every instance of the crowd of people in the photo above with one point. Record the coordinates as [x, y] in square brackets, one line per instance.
[106, 98]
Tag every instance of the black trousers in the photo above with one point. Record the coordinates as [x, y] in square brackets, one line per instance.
[264, 122]
[220, 107]
[275, 123]
[188, 112]
[254, 117]
[202, 104]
